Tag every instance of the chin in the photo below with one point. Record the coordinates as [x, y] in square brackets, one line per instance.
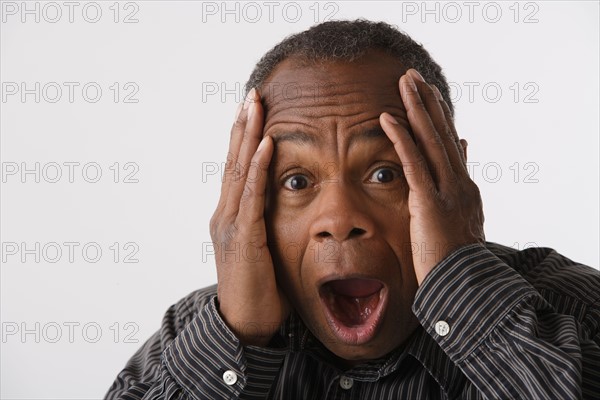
[384, 341]
[355, 356]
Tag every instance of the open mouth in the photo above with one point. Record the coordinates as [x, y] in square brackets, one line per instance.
[354, 308]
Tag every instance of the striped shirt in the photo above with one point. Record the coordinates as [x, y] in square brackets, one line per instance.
[495, 323]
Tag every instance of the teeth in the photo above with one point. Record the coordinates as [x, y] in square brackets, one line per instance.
[365, 313]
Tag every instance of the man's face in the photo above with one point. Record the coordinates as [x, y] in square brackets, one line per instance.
[337, 213]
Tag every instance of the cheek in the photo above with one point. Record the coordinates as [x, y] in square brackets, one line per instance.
[394, 229]
[287, 239]
[392, 215]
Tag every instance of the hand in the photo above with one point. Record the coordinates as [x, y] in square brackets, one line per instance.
[250, 302]
[444, 203]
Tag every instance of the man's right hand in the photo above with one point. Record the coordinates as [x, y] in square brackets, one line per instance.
[250, 301]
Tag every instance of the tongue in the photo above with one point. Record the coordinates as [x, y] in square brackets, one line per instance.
[353, 300]
[355, 287]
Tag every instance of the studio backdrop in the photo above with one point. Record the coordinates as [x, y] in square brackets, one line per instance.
[115, 120]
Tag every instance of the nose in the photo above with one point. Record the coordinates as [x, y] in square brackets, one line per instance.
[341, 214]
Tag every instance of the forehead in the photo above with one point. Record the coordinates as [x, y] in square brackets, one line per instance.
[312, 93]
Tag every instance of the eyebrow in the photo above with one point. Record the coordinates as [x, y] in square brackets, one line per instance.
[297, 137]
[373, 133]
[303, 138]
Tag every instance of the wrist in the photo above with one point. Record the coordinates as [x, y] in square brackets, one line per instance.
[249, 333]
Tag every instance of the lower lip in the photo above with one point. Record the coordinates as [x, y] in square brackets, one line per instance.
[358, 334]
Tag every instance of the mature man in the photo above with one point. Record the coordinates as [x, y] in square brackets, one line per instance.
[365, 272]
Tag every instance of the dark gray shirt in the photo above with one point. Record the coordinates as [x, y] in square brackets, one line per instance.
[496, 323]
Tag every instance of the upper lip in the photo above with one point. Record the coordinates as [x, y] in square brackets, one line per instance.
[321, 283]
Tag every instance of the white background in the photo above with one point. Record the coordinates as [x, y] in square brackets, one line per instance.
[180, 56]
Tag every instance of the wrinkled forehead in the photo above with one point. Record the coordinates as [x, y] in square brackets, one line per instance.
[316, 89]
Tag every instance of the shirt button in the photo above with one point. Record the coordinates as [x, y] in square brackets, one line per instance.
[346, 383]
[442, 328]
[229, 377]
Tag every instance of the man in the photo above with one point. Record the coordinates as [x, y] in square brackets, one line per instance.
[351, 255]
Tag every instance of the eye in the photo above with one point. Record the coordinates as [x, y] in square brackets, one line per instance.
[384, 175]
[296, 182]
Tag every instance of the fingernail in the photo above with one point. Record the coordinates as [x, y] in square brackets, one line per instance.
[390, 119]
[262, 143]
[410, 87]
[415, 74]
[249, 98]
[252, 101]
[437, 93]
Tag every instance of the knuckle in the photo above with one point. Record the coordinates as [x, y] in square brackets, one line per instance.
[447, 203]
[241, 172]
[434, 139]
[231, 157]
[469, 186]
[410, 89]
[231, 163]
[421, 162]
[235, 171]
[428, 90]
[222, 230]
[225, 236]
[215, 226]
[247, 193]
[214, 220]
[418, 101]
[474, 189]
[449, 133]
[230, 234]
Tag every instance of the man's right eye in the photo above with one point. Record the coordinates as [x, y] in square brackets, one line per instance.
[296, 182]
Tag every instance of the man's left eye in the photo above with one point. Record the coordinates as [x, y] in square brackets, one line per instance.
[383, 175]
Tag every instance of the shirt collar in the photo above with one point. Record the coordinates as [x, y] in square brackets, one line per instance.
[420, 348]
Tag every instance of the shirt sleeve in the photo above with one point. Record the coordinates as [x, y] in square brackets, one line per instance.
[507, 339]
[201, 360]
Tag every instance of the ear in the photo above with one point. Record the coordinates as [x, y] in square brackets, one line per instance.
[463, 145]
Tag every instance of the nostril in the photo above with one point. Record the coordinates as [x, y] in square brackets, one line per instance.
[357, 232]
[324, 234]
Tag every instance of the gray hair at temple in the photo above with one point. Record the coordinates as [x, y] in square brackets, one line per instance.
[347, 41]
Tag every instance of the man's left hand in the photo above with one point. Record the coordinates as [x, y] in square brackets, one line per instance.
[444, 203]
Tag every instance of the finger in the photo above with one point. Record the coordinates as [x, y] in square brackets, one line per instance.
[442, 125]
[463, 147]
[426, 135]
[250, 140]
[252, 202]
[235, 141]
[413, 162]
[453, 145]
